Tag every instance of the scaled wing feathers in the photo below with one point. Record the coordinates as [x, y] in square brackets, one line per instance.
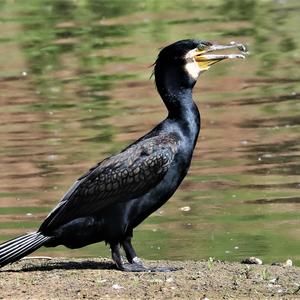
[127, 175]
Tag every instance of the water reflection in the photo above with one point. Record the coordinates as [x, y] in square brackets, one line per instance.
[277, 200]
[75, 88]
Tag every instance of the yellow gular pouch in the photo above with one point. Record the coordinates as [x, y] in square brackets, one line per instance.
[205, 64]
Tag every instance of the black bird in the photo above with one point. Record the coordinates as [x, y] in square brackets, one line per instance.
[116, 195]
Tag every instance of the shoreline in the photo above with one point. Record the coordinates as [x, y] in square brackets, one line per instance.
[73, 278]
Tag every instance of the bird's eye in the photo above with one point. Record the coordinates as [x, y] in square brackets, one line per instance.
[201, 47]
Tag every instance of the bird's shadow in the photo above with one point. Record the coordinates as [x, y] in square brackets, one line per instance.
[64, 265]
[77, 265]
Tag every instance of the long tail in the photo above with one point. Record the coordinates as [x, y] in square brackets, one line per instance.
[21, 246]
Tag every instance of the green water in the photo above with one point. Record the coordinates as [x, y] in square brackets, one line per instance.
[75, 87]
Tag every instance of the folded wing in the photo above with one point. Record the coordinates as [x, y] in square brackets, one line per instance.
[127, 175]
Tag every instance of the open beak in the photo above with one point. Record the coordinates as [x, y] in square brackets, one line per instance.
[205, 58]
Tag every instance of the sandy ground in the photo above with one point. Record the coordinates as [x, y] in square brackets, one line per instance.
[97, 279]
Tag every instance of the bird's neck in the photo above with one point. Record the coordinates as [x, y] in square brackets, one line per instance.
[182, 109]
[175, 88]
[179, 103]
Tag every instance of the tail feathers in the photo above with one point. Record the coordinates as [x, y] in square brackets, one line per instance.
[21, 246]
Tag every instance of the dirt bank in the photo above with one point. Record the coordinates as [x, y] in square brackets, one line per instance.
[96, 279]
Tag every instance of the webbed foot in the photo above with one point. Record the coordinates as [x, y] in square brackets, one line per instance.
[137, 266]
[134, 263]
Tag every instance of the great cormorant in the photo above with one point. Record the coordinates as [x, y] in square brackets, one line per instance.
[116, 195]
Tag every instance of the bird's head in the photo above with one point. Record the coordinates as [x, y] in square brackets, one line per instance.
[185, 60]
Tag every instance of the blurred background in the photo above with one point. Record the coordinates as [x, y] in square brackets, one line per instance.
[75, 87]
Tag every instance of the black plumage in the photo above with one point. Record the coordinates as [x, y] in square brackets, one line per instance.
[119, 178]
[116, 195]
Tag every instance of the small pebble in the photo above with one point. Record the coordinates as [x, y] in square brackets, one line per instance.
[117, 287]
[288, 263]
[274, 280]
[103, 280]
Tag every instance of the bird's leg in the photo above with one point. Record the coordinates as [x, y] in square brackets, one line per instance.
[116, 256]
[135, 264]
[130, 252]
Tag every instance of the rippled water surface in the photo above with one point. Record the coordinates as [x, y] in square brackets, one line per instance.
[75, 87]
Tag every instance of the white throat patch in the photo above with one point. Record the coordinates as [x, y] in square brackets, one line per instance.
[191, 66]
